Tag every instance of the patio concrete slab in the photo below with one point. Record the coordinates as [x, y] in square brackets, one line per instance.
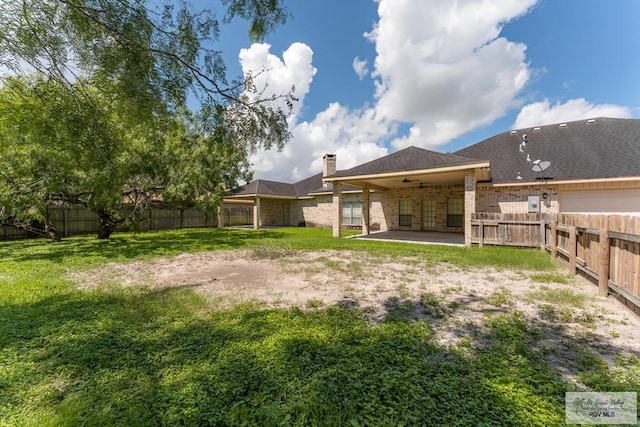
[423, 237]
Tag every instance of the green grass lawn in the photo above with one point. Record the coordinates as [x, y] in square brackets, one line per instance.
[138, 357]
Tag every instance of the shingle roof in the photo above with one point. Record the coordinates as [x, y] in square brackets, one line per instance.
[265, 188]
[309, 185]
[408, 159]
[261, 187]
[584, 149]
[314, 185]
[579, 150]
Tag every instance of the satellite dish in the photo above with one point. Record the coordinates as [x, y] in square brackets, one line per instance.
[539, 166]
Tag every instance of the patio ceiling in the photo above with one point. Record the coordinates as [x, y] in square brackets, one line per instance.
[413, 179]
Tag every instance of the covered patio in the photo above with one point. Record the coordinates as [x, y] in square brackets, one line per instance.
[419, 195]
[420, 237]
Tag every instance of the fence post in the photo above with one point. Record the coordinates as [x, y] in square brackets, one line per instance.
[543, 235]
[554, 239]
[603, 273]
[573, 234]
[481, 234]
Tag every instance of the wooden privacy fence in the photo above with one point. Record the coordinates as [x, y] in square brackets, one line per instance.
[605, 248]
[77, 220]
[524, 230]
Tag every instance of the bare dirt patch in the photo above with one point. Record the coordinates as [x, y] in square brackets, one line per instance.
[456, 300]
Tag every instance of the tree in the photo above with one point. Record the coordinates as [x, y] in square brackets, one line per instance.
[63, 147]
[151, 53]
[56, 146]
[105, 119]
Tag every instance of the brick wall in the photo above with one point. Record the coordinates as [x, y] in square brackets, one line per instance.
[318, 211]
[272, 211]
[378, 221]
[386, 212]
[470, 189]
[314, 212]
[515, 199]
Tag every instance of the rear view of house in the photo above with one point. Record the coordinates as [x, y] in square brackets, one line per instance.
[586, 166]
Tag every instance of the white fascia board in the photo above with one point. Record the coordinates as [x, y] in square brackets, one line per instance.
[410, 173]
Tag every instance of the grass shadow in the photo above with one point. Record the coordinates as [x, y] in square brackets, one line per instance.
[134, 356]
[126, 359]
[134, 245]
[582, 360]
[139, 357]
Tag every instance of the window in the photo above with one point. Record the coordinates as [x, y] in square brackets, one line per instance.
[405, 213]
[455, 213]
[429, 214]
[351, 213]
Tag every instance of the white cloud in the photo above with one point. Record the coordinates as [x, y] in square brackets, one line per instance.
[352, 135]
[360, 66]
[442, 65]
[276, 76]
[543, 113]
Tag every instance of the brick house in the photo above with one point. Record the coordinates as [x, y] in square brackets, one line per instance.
[587, 166]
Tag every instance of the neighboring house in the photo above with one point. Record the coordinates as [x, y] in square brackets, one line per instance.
[587, 166]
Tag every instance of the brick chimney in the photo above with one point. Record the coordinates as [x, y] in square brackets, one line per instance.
[328, 168]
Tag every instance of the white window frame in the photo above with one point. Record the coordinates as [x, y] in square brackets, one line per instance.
[405, 212]
[455, 212]
[352, 213]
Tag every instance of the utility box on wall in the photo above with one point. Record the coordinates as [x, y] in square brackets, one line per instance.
[534, 204]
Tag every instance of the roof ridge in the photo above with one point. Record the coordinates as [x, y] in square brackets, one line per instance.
[588, 120]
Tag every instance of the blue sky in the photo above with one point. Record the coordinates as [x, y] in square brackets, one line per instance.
[375, 77]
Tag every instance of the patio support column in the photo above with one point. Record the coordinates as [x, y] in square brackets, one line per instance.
[469, 204]
[256, 214]
[337, 209]
[366, 201]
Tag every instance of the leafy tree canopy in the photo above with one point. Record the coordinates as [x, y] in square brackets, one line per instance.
[104, 118]
[149, 50]
[60, 146]
[152, 54]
